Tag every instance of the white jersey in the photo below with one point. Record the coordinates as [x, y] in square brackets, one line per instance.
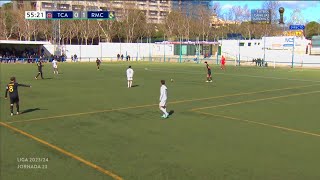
[130, 73]
[163, 93]
[54, 63]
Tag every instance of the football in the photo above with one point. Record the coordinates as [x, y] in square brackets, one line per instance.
[171, 80]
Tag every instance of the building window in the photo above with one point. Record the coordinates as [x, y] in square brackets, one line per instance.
[163, 13]
[154, 20]
[77, 7]
[249, 44]
[63, 6]
[47, 5]
[33, 5]
[92, 8]
[153, 13]
[241, 44]
[104, 8]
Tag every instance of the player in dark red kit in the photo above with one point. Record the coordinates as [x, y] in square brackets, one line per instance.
[209, 78]
[98, 61]
[223, 63]
[12, 88]
[39, 64]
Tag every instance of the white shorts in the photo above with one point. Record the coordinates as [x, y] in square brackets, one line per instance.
[55, 67]
[130, 78]
[163, 103]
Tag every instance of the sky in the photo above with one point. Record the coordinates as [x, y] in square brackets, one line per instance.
[310, 10]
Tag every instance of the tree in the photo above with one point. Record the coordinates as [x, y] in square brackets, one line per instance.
[312, 29]
[202, 21]
[274, 8]
[297, 17]
[45, 30]
[273, 28]
[26, 28]
[170, 23]
[134, 20]
[216, 8]
[8, 24]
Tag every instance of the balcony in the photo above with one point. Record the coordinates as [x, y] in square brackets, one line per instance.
[47, 5]
[153, 8]
[153, 13]
[104, 8]
[164, 8]
[153, 20]
[163, 13]
[92, 8]
[117, 2]
[63, 6]
[77, 7]
[164, 2]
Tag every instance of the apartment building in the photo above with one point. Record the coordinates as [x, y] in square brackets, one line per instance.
[155, 10]
[188, 6]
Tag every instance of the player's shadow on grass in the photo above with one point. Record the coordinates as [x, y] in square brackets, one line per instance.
[135, 85]
[47, 78]
[171, 112]
[31, 110]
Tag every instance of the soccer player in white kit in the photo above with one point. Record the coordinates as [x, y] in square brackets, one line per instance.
[55, 66]
[163, 99]
[130, 73]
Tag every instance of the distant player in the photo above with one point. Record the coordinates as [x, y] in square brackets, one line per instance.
[130, 73]
[39, 65]
[209, 78]
[163, 99]
[223, 62]
[12, 88]
[55, 66]
[98, 61]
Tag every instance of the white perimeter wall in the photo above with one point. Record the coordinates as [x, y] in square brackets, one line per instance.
[108, 51]
[230, 48]
[275, 51]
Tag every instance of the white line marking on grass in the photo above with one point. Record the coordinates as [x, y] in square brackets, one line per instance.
[243, 75]
[260, 123]
[254, 100]
[150, 105]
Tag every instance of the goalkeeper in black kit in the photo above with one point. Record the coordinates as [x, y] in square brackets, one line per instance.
[39, 64]
[12, 88]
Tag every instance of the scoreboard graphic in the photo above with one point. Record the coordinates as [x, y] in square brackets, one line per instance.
[69, 15]
[262, 16]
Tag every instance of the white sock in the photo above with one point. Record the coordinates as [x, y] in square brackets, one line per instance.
[164, 110]
[128, 84]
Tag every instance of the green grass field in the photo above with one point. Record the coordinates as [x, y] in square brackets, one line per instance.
[251, 123]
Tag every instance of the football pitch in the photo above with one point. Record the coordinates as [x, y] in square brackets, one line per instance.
[84, 124]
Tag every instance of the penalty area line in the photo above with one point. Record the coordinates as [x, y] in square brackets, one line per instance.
[254, 100]
[86, 162]
[262, 124]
